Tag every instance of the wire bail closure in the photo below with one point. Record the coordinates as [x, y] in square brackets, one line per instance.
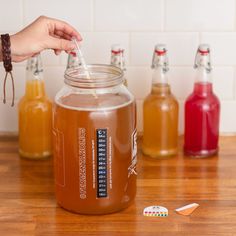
[202, 58]
[159, 58]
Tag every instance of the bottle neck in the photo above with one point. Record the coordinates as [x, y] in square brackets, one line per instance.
[35, 89]
[202, 75]
[161, 89]
[118, 60]
[203, 89]
[203, 82]
[202, 64]
[159, 76]
[34, 78]
[160, 84]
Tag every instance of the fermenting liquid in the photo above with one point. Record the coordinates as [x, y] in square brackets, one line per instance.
[35, 122]
[95, 153]
[202, 110]
[160, 135]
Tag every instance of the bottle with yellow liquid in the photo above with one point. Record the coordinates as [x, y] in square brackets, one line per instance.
[118, 59]
[160, 111]
[35, 114]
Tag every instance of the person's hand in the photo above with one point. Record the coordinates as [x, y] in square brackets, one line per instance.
[43, 33]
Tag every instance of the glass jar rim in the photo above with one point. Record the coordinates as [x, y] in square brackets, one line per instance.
[100, 76]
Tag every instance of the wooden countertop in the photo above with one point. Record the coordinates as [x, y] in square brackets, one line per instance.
[28, 206]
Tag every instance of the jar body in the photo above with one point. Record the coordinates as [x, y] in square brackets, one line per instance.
[95, 149]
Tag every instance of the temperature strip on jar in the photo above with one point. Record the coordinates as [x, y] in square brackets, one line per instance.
[101, 163]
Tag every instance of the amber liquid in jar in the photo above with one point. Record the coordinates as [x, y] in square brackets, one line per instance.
[94, 152]
[160, 122]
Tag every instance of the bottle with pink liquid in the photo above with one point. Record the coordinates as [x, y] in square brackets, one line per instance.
[202, 110]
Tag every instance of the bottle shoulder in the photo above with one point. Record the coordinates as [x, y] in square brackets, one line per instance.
[202, 104]
[26, 103]
[196, 98]
[158, 102]
[164, 97]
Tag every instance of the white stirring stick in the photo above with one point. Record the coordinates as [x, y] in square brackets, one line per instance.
[83, 63]
[81, 57]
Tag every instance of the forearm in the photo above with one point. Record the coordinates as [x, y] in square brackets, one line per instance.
[0, 51]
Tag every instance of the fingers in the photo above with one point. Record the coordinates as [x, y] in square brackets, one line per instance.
[60, 44]
[62, 34]
[63, 27]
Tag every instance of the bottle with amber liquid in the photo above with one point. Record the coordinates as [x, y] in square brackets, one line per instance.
[118, 59]
[35, 114]
[160, 111]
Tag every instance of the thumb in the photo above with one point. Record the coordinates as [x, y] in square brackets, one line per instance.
[60, 44]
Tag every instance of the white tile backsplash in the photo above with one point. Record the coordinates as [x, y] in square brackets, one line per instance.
[228, 117]
[128, 15]
[76, 12]
[181, 80]
[203, 15]
[139, 81]
[223, 47]
[11, 18]
[223, 82]
[54, 79]
[181, 47]
[49, 58]
[138, 25]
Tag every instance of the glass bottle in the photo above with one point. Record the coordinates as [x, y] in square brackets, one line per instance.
[160, 111]
[94, 134]
[35, 114]
[202, 110]
[118, 59]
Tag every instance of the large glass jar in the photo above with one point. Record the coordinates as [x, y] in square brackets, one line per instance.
[95, 150]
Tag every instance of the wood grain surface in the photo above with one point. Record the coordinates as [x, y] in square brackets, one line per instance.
[28, 205]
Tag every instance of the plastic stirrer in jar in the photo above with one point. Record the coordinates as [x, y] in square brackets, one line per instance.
[81, 57]
[82, 60]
